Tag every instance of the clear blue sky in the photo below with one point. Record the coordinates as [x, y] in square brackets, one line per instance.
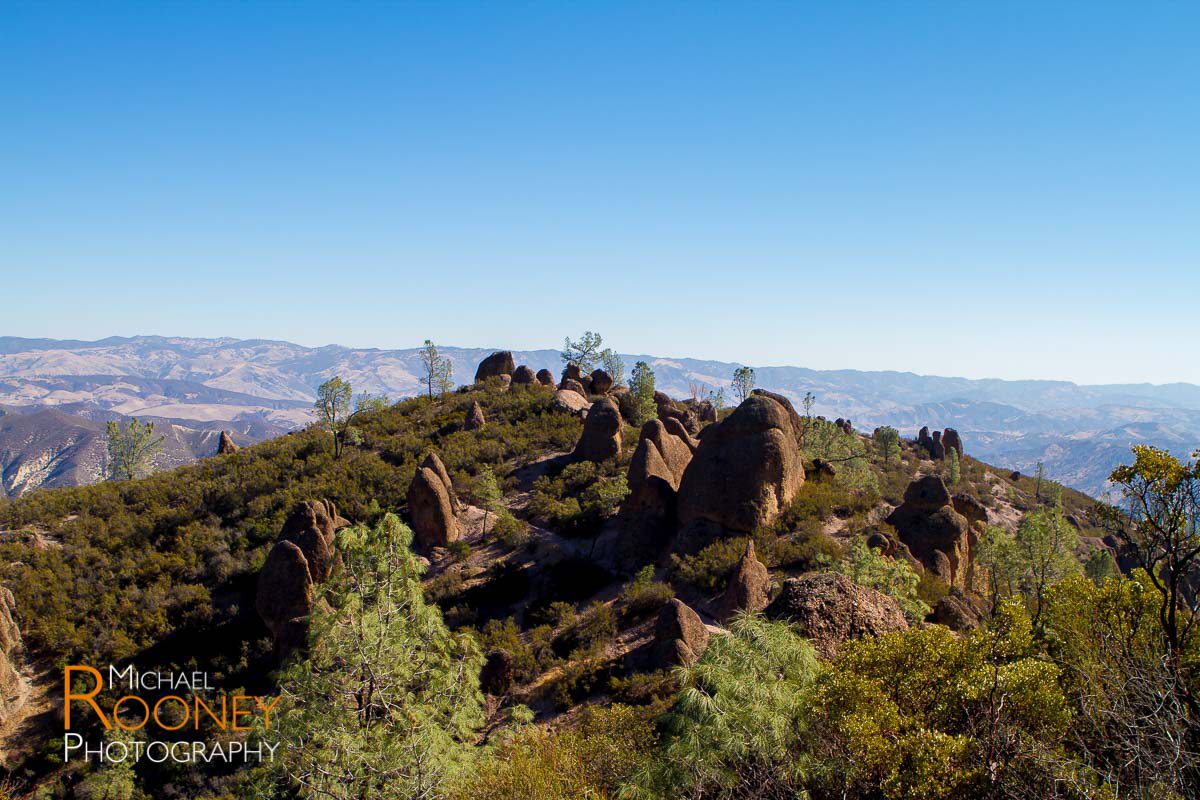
[982, 189]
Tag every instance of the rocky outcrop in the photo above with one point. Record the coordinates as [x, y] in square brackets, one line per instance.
[669, 409]
[938, 445]
[495, 365]
[14, 685]
[937, 535]
[647, 518]
[749, 587]
[434, 462]
[523, 376]
[704, 410]
[226, 444]
[601, 382]
[572, 372]
[432, 505]
[957, 612]
[475, 418]
[570, 402]
[828, 608]
[952, 441]
[572, 385]
[601, 438]
[680, 637]
[311, 526]
[676, 428]
[746, 469]
[285, 597]
[545, 377]
[303, 556]
[969, 507]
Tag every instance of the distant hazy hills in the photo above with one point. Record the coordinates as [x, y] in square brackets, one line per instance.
[194, 388]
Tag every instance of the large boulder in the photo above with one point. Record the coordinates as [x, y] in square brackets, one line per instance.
[828, 608]
[924, 440]
[746, 469]
[431, 506]
[475, 418]
[545, 377]
[938, 447]
[601, 437]
[302, 557]
[676, 428]
[226, 444]
[572, 385]
[647, 517]
[523, 376]
[952, 441]
[937, 535]
[434, 462]
[572, 372]
[497, 364]
[571, 402]
[680, 637]
[749, 587]
[956, 611]
[971, 508]
[601, 382]
[285, 596]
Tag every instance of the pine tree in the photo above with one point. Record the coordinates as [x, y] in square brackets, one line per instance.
[439, 370]
[387, 704]
[641, 386]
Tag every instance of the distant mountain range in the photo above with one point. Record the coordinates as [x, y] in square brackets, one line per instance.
[55, 396]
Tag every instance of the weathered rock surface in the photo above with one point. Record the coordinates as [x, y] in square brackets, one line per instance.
[749, 587]
[434, 462]
[937, 535]
[475, 418]
[523, 376]
[431, 503]
[601, 382]
[647, 517]
[302, 557]
[572, 385]
[495, 365]
[285, 596]
[676, 428]
[828, 608]
[571, 402]
[226, 444]
[601, 438]
[680, 637]
[746, 468]
[957, 612]
[952, 441]
[545, 377]
[969, 507]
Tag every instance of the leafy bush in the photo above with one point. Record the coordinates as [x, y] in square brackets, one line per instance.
[644, 595]
[589, 760]
[868, 567]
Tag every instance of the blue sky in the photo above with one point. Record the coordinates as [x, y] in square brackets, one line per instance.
[979, 189]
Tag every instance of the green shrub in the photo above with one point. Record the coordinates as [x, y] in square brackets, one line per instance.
[644, 595]
[868, 567]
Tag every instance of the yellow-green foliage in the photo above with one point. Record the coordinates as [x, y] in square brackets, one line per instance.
[926, 714]
[587, 761]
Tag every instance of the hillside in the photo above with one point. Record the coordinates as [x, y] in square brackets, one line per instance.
[261, 388]
[568, 572]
